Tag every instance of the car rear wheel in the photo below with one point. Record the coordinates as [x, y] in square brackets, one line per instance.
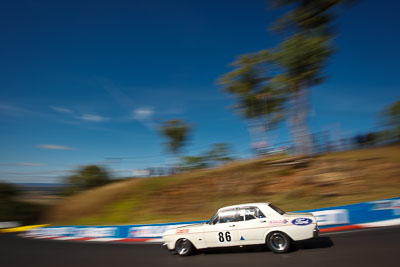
[278, 242]
[184, 247]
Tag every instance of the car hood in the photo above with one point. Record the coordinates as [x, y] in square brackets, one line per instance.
[191, 225]
[192, 228]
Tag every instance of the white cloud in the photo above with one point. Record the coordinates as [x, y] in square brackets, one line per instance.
[60, 109]
[143, 113]
[30, 164]
[55, 147]
[12, 110]
[93, 117]
[145, 116]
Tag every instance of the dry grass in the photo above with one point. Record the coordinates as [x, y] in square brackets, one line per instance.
[91, 201]
[293, 183]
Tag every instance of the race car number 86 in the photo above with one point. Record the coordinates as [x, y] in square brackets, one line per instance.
[224, 237]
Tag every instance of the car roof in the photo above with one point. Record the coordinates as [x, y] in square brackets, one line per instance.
[245, 205]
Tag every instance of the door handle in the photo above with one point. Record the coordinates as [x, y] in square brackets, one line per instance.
[263, 221]
[232, 225]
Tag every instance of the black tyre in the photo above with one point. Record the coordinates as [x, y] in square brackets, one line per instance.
[184, 247]
[278, 242]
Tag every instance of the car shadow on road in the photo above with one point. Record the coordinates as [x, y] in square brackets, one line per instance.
[315, 243]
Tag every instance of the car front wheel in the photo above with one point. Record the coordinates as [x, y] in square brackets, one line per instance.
[278, 242]
[184, 247]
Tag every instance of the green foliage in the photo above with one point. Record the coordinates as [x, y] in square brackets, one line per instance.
[301, 60]
[87, 177]
[194, 162]
[250, 83]
[304, 53]
[220, 153]
[8, 191]
[391, 117]
[313, 16]
[177, 132]
[11, 209]
[392, 114]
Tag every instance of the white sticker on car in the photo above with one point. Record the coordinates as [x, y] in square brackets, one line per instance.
[223, 237]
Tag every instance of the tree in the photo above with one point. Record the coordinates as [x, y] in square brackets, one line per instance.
[219, 153]
[391, 117]
[250, 83]
[194, 162]
[12, 208]
[87, 177]
[8, 195]
[8, 191]
[302, 57]
[301, 60]
[176, 131]
[311, 16]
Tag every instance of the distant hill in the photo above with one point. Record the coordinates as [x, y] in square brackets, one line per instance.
[35, 185]
[42, 187]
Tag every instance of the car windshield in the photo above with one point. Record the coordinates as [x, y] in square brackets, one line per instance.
[224, 216]
[212, 218]
[278, 210]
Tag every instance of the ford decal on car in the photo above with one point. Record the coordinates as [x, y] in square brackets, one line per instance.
[302, 221]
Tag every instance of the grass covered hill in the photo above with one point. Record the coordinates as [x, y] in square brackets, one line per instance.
[292, 183]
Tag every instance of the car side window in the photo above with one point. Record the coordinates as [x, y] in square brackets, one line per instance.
[251, 213]
[241, 214]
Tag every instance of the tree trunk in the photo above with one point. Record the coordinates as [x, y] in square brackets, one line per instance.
[258, 136]
[298, 113]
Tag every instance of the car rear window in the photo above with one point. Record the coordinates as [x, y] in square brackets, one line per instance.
[278, 210]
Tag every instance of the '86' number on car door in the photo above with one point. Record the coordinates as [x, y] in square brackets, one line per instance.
[224, 237]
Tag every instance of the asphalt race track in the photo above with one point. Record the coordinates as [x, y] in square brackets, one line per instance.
[375, 247]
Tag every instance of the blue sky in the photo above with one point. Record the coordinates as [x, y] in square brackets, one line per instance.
[84, 82]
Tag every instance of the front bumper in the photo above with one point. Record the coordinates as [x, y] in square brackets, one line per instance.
[316, 232]
[169, 245]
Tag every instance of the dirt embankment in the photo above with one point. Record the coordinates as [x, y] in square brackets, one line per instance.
[294, 183]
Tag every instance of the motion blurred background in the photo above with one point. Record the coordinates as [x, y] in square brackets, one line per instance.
[158, 111]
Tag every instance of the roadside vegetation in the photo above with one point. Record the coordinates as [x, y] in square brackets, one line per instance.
[13, 209]
[86, 177]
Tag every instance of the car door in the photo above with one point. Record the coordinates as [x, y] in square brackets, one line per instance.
[221, 231]
[252, 230]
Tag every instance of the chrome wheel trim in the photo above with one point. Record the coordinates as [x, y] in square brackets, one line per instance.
[183, 246]
[278, 241]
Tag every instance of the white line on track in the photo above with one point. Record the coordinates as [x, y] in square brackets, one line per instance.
[359, 230]
[104, 239]
[66, 238]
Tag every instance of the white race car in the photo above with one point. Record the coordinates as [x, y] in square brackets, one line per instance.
[246, 224]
